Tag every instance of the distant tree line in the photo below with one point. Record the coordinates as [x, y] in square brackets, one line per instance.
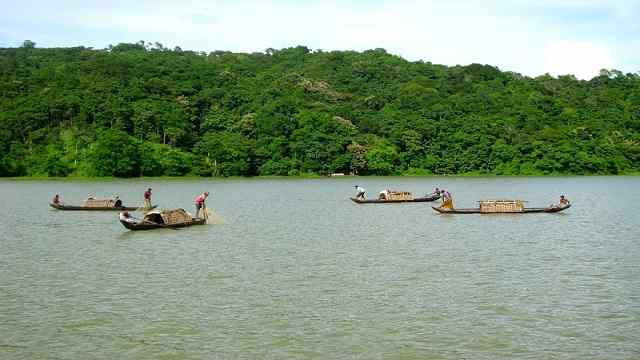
[144, 110]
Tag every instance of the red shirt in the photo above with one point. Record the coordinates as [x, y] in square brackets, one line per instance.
[200, 199]
[147, 195]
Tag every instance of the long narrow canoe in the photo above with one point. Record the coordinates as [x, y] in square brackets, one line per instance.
[379, 201]
[100, 208]
[551, 209]
[147, 225]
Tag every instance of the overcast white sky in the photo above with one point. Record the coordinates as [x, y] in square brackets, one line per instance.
[577, 37]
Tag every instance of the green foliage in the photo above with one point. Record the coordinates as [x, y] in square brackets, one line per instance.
[224, 153]
[28, 44]
[159, 160]
[280, 167]
[143, 109]
[176, 162]
[114, 153]
[382, 158]
[55, 164]
[417, 172]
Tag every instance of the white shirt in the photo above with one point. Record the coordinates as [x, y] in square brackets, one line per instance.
[359, 189]
[127, 219]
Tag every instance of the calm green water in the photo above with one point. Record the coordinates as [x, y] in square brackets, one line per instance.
[297, 271]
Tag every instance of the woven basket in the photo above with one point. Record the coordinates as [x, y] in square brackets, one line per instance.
[501, 206]
[98, 203]
[399, 195]
[176, 216]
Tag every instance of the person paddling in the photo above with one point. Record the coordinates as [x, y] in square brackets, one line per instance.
[447, 199]
[126, 217]
[57, 200]
[200, 202]
[359, 192]
[147, 199]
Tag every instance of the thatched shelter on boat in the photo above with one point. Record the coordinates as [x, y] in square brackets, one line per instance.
[98, 203]
[168, 217]
[501, 206]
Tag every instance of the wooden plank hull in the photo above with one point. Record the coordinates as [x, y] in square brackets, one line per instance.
[105, 208]
[150, 226]
[552, 209]
[378, 201]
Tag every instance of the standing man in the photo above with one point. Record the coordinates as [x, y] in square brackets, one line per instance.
[447, 200]
[359, 192]
[200, 202]
[147, 199]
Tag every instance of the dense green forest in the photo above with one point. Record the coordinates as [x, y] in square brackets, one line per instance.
[145, 110]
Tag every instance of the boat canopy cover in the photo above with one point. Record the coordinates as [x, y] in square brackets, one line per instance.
[98, 203]
[175, 216]
[501, 206]
[399, 195]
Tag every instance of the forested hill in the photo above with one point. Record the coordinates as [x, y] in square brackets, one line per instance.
[142, 109]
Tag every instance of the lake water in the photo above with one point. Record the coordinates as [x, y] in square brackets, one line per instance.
[297, 271]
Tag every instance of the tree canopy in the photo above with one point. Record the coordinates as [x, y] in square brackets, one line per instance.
[142, 109]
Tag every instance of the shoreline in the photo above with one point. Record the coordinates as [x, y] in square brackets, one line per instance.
[297, 177]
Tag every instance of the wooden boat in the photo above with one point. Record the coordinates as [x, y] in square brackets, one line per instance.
[395, 201]
[144, 225]
[172, 219]
[96, 208]
[550, 209]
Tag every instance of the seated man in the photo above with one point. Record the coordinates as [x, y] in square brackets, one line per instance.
[563, 200]
[118, 202]
[126, 217]
[384, 194]
[57, 200]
